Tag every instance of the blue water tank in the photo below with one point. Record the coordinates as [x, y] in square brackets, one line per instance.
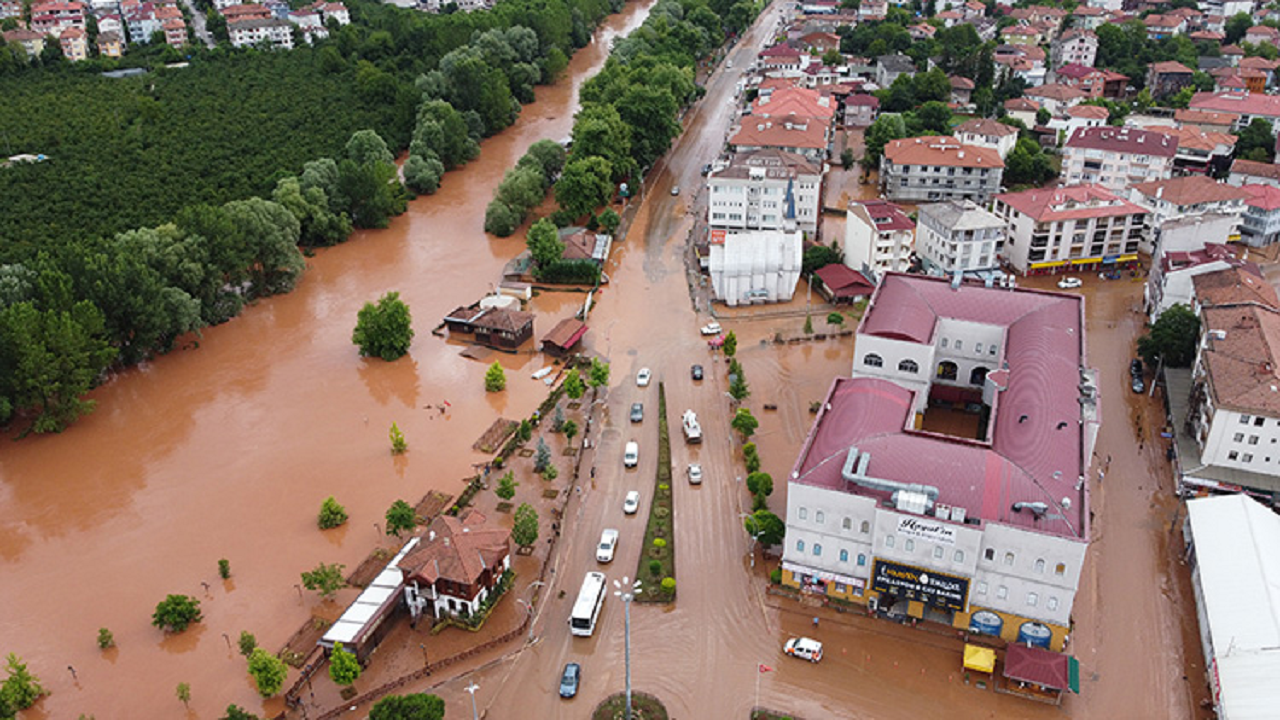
[1035, 635]
[985, 622]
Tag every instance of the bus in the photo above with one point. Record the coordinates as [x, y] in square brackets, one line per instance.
[582, 622]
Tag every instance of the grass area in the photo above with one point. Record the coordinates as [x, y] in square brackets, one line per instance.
[657, 566]
[643, 707]
[770, 715]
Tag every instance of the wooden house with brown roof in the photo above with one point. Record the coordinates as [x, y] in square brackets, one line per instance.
[455, 566]
[497, 327]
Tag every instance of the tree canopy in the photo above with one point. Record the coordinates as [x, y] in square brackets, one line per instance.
[1172, 337]
[384, 330]
[419, 706]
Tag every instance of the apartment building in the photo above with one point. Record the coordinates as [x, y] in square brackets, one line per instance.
[1188, 212]
[878, 238]
[1081, 227]
[765, 190]
[959, 236]
[1260, 225]
[1074, 46]
[934, 168]
[1117, 157]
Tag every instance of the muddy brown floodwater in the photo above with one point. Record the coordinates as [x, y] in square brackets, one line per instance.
[227, 451]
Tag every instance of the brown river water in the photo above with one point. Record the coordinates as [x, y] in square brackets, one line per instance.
[226, 451]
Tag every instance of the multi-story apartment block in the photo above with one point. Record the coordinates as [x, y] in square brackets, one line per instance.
[1082, 227]
[1093, 82]
[765, 190]
[1188, 212]
[1117, 157]
[984, 132]
[878, 238]
[1260, 226]
[800, 135]
[934, 168]
[1242, 103]
[75, 46]
[959, 236]
[942, 481]
[250, 32]
[1074, 46]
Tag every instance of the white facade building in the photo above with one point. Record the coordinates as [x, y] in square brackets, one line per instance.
[988, 133]
[765, 190]
[1083, 227]
[245, 33]
[1117, 157]
[878, 238]
[959, 236]
[755, 266]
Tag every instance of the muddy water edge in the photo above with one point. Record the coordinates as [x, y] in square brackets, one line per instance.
[228, 449]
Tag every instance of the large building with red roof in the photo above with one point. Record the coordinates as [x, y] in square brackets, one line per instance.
[945, 480]
[1117, 157]
[1080, 227]
[935, 168]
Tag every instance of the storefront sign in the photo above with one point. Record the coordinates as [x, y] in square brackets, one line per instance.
[927, 530]
[912, 583]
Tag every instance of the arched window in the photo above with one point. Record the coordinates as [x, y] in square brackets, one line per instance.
[866, 527]
[908, 366]
[1060, 570]
[978, 376]
[799, 546]
[862, 560]
[844, 556]
[847, 524]
[1040, 565]
[947, 370]
[817, 548]
[872, 360]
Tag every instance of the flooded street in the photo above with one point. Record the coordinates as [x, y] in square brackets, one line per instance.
[227, 452]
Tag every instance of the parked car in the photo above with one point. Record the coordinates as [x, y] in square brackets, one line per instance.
[1068, 283]
[695, 474]
[631, 503]
[706, 169]
[1135, 367]
[675, 189]
[637, 412]
[608, 543]
[696, 372]
[804, 648]
[1136, 384]
[631, 454]
[642, 377]
[570, 679]
[711, 328]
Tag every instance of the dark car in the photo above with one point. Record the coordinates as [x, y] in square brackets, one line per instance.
[569, 680]
[637, 412]
[696, 371]
[706, 169]
[1135, 367]
[1136, 384]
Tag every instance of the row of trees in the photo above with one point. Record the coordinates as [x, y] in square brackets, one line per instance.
[524, 187]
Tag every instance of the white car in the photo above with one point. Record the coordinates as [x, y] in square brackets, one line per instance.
[804, 648]
[608, 543]
[631, 454]
[1067, 283]
[675, 189]
[711, 328]
[695, 474]
[643, 377]
[631, 503]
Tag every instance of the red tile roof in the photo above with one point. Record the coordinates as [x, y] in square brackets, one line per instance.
[1237, 102]
[940, 150]
[960, 82]
[1037, 666]
[1016, 104]
[1190, 190]
[1204, 117]
[886, 215]
[801, 102]
[1171, 67]
[1088, 112]
[986, 126]
[1069, 203]
[784, 132]
[1241, 358]
[457, 550]
[1234, 286]
[1124, 140]
[780, 51]
[1263, 197]
[1256, 169]
[1056, 91]
[844, 282]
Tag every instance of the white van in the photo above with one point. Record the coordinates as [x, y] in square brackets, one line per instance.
[631, 455]
[804, 648]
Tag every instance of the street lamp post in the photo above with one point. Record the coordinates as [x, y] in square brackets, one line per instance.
[627, 590]
[472, 688]
[755, 536]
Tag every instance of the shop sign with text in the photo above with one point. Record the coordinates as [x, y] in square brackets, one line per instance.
[913, 583]
[927, 529]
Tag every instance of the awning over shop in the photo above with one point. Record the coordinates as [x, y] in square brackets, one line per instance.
[1038, 666]
[980, 659]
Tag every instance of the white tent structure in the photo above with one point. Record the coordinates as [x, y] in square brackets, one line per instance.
[1236, 576]
[756, 266]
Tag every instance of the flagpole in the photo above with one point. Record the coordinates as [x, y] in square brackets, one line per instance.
[753, 708]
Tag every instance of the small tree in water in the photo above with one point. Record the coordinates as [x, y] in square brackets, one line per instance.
[384, 330]
[268, 672]
[730, 346]
[324, 579]
[570, 429]
[331, 514]
[525, 530]
[344, 669]
[247, 643]
[557, 420]
[400, 516]
[176, 612]
[495, 379]
[224, 568]
[398, 444]
[184, 694]
[573, 386]
[105, 638]
[745, 423]
[542, 457]
[507, 486]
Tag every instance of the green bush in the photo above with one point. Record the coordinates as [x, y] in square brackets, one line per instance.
[569, 272]
[668, 585]
[331, 514]
[775, 576]
[659, 543]
[224, 568]
[105, 638]
[655, 567]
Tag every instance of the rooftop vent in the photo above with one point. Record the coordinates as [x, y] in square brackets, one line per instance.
[1037, 508]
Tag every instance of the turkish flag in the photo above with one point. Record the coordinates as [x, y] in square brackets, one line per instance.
[765, 668]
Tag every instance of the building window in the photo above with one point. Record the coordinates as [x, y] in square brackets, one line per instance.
[1233, 455]
[1257, 421]
[989, 554]
[820, 517]
[937, 552]
[1060, 570]
[799, 546]
[888, 541]
[1247, 457]
[978, 376]
[844, 556]
[866, 527]
[959, 556]
[992, 351]
[1002, 592]
[977, 348]
[1244, 419]
[873, 360]
[1052, 603]
[1008, 558]
[804, 513]
[982, 588]
[862, 560]
[908, 366]
[947, 370]
[1253, 439]
[817, 549]
[1238, 437]
[1032, 599]
[909, 545]
[944, 343]
[1040, 565]
[846, 524]
[959, 345]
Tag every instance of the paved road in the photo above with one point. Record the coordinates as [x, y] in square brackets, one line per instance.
[198, 24]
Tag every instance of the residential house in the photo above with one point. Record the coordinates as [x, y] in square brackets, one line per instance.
[961, 91]
[51, 18]
[878, 238]
[456, 564]
[959, 236]
[1023, 110]
[583, 244]
[988, 133]
[1160, 27]
[1093, 82]
[1055, 97]
[1170, 281]
[30, 40]
[1260, 226]
[819, 7]
[782, 57]
[755, 266]
[874, 505]
[247, 11]
[891, 67]
[1088, 17]
[1199, 152]
[794, 101]
[110, 44]
[496, 327]
[1167, 78]
[861, 110]
[765, 190]
[922, 31]
[1186, 213]
[838, 284]
[1074, 46]
[822, 42]
[1039, 15]
[247, 33]
[74, 44]
[1022, 34]
[873, 10]
[175, 32]
[1206, 120]
[1262, 35]
[1267, 67]
[934, 168]
[1076, 227]
[1020, 61]
[1249, 172]
[950, 18]
[1209, 36]
[112, 23]
[972, 10]
[1239, 79]
[1117, 157]
[1234, 53]
[10, 9]
[1246, 105]
[1080, 116]
[1226, 8]
[803, 136]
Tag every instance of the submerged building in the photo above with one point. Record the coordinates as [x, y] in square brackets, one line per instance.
[946, 479]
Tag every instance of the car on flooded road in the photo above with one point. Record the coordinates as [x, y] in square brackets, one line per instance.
[608, 545]
[696, 372]
[631, 454]
[570, 679]
[637, 412]
[804, 648]
[695, 474]
[1069, 283]
[711, 328]
[631, 503]
[643, 377]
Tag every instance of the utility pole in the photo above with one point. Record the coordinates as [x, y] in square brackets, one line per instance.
[627, 590]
